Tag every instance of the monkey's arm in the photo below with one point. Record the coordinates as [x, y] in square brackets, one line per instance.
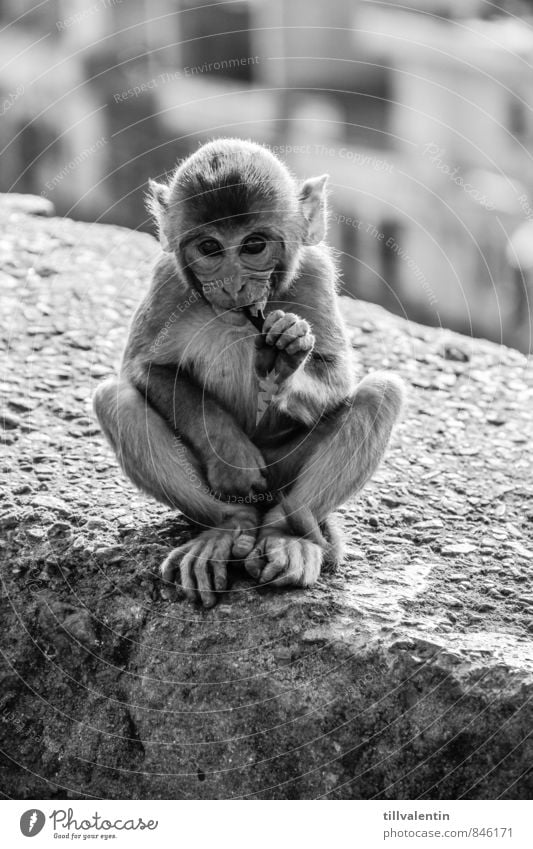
[315, 363]
[316, 387]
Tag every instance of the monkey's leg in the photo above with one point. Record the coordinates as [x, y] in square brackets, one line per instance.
[159, 463]
[317, 473]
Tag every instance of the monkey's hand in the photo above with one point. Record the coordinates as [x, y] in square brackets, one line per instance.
[292, 337]
[235, 465]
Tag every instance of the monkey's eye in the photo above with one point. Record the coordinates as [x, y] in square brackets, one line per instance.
[210, 247]
[254, 245]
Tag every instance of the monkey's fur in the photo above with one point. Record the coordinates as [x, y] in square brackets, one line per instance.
[239, 233]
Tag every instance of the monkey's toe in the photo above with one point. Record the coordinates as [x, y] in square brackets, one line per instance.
[171, 563]
[199, 568]
[244, 526]
[243, 545]
[255, 560]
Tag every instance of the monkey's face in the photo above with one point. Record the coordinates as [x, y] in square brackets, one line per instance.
[237, 221]
[233, 268]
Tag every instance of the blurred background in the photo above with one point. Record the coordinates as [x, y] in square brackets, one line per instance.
[420, 111]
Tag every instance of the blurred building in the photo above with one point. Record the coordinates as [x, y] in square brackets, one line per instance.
[425, 125]
[422, 118]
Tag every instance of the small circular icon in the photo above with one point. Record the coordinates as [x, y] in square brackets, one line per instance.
[32, 822]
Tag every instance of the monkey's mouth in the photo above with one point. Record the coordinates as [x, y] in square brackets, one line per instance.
[254, 308]
[248, 306]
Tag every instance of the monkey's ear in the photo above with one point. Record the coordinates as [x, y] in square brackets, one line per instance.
[157, 203]
[313, 205]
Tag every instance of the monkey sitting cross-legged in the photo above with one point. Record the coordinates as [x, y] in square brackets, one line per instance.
[243, 242]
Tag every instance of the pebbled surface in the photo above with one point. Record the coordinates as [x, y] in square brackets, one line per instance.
[408, 674]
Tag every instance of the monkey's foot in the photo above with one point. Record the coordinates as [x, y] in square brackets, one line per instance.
[202, 563]
[283, 560]
[199, 567]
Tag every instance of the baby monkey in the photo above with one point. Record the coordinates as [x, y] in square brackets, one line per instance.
[245, 292]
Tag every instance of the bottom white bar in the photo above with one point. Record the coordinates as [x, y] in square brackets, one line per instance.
[365, 824]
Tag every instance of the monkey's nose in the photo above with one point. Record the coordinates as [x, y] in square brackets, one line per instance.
[233, 285]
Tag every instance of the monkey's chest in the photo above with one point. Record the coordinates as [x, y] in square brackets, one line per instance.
[229, 376]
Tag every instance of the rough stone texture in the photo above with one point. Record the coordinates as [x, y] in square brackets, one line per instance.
[406, 675]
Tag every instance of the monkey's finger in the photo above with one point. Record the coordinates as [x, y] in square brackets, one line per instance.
[288, 577]
[304, 566]
[280, 327]
[270, 573]
[245, 534]
[276, 566]
[297, 331]
[285, 563]
[302, 344]
[271, 318]
[277, 329]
